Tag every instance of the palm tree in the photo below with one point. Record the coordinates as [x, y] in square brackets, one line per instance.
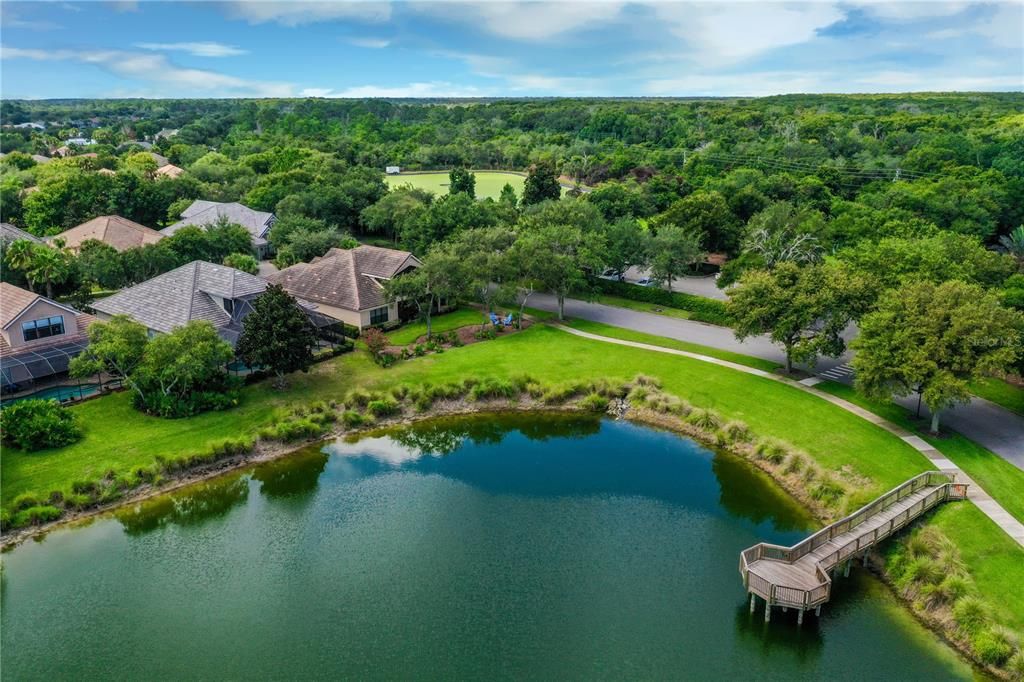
[20, 255]
[1014, 245]
[49, 266]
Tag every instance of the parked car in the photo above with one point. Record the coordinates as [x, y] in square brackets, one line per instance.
[610, 275]
[645, 282]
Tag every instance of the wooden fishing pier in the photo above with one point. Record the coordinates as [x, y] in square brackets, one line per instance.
[798, 577]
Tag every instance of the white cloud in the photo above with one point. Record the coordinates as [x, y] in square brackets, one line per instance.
[423, 89]
[299, 13]
[1005, 27]
[156, 70]
[720, 33]
[195, 49]
[746, 84]
[911, 11]
[534, 21]
[371, 43]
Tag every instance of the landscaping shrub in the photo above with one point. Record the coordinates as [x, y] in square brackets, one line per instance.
[993, 646]
[828, 491]
[24, 501]
[485, 334]
[704, 419]
[36, 515]
[38, 424]
[971, 614]
[594, 402]
[700, 308]
[771, 450]
[384, 407]
[352, 419]
[491, 389]
[737, 432]
[359, 396]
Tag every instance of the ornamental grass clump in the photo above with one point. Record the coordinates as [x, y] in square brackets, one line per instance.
[706, 420]
[771, 450]
[383, 407]
[594, 402]
[493, 389]
[735, 432]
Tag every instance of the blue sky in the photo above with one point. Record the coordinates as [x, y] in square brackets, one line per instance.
[451, 48]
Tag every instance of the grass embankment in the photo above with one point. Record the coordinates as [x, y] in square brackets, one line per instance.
[1001, 393]
[118, 438]
[664, 342]
[1002, 480]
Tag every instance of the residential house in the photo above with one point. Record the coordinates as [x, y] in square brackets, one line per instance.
[165, 134]
[9, 233]
[38, 337]
[80, 141]
[118, 232]
[169, 171]
[348, 284]
[199, 290]
[392, 170]
[205, 213]
[39, 158]
[160, 159]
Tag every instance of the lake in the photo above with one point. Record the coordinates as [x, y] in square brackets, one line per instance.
[490, 547]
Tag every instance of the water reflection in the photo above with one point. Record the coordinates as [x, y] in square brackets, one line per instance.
[804, 642]
[197, 504]
[294, 476]
[748, 493]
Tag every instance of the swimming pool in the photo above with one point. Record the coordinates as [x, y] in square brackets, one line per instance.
[59, 393]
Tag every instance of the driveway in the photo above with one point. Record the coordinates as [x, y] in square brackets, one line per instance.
[698, 286]
[988, 424]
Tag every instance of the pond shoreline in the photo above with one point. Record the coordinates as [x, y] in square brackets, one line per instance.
[266, 451]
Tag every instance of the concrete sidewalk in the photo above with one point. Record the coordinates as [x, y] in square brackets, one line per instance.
[987, 424]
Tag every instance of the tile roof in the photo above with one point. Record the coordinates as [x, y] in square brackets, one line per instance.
[10, 233]
[170, 170]
[346, 278]
[183, 294]
[13, 302]
[114, 230]
[202, 213]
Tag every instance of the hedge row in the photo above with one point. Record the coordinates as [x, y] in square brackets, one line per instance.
[701, 309]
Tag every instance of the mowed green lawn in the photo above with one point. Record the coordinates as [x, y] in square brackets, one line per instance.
[118, 437]
[488, 183]
[461, 317]
[1001, 393]
[1002, 480]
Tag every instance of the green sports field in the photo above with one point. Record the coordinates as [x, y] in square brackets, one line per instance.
[488, 183]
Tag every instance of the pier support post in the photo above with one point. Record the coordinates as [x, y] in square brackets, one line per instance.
[846, 570]
[817, 610]
[753, 601]
[866, 560]
[767, 611]
[800, 617]
[784, 609]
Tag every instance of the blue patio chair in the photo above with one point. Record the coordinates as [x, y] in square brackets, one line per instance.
[508, 320]
[495, 321]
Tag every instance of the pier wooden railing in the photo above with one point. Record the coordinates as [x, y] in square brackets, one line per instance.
[811, 596]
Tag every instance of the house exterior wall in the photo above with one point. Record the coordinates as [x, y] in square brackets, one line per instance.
[38, 310]
[364, 316]
[360, 319]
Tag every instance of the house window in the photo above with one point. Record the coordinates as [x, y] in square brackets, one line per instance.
[379, 315]
[43, 328]
[229, 305]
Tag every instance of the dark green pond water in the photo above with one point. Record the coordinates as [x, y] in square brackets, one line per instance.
[485, 548]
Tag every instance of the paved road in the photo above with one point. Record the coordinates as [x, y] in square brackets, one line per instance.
[999, 430]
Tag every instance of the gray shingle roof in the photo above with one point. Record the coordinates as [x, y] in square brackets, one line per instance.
[183, 294]
[346, 278]
[202, 213]
[10, 233]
